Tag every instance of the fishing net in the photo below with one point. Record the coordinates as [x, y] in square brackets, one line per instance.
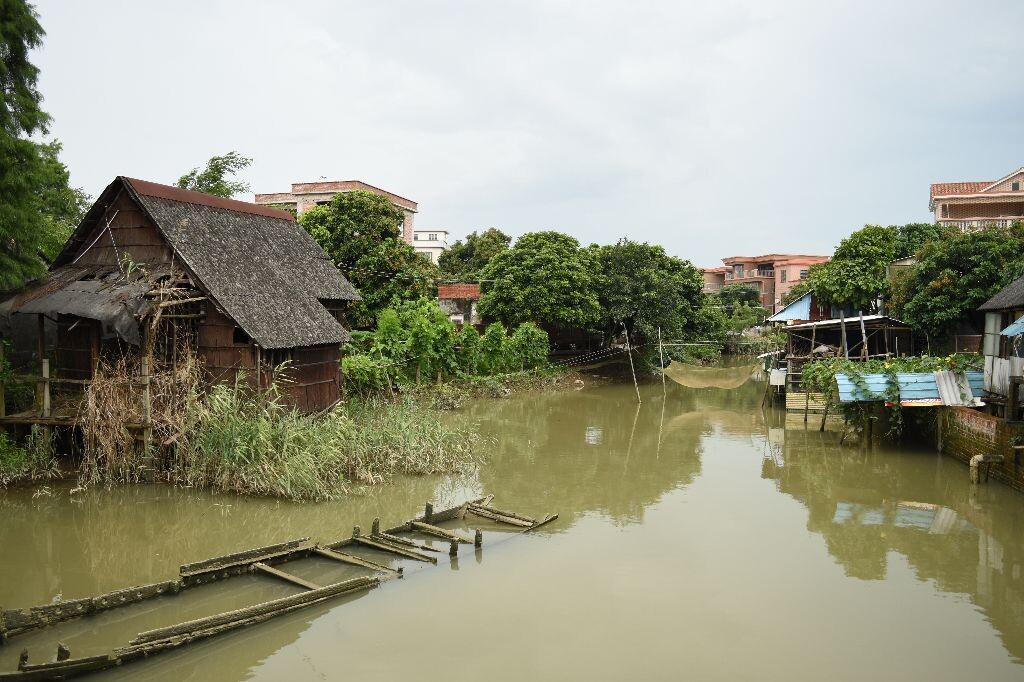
[693, 376]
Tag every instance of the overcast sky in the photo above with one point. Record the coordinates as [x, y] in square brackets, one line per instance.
[714, 128]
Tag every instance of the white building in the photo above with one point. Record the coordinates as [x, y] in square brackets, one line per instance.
[431, 243]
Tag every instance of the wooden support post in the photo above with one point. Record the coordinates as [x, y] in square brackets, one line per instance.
[453, 549]
[147, 401]
[629, 350]
[41, 337]
[356, 532]
[3, 403]
[375, 528]
[428, 512]
[45, 362]
[863, 338]
[807, 392]
[478, 538]
[842, 331]
[63, 652]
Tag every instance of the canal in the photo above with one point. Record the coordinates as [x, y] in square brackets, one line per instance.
[699, 538]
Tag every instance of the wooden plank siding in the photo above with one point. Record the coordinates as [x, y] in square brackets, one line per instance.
[131, 233]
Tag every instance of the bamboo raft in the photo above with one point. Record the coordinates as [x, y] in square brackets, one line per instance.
[263, 560]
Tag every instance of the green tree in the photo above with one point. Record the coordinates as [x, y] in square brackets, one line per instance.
[63, 206]
[544, 278]
[218, 177]
[466, 260]
[957, 273]
[731, 295]
[468, 351]
[361, 233]
[23, 172]
[642, 287]
[417, 338]
[529, 346]
[856, 273]
[493, 359]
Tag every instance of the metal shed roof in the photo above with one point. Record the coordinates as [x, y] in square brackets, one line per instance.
[917, 389]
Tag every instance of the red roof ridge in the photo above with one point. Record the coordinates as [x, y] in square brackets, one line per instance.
[186, 196]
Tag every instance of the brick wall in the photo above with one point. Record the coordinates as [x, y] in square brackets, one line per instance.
[965, 432]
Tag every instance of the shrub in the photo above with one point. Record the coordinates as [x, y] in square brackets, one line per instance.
[468, 351]
[363, 375]
[493, 359]
[529, 346]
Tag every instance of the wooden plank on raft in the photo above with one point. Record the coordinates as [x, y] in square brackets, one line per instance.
[273, 607]
[483, 512]
[396, 540]
[287, 577]
[546, 520]
[249, 556]
[394, 549]
[59, 670]
[509, 514]
[354, 560]
[439, 532]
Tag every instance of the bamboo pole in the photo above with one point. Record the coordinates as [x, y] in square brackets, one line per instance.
[3, 403]
[863, 338]
[807, 393]
[629, 349]
[45, 362]
[661, 355]
[842, 332]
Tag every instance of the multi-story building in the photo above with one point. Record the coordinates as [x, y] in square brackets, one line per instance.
[774, 274]
[975, 205]
[305, 195]
[431, 243]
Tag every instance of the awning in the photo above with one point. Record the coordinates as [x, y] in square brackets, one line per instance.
[1014, 329]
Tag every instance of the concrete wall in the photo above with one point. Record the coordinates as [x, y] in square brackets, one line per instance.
[964, 432]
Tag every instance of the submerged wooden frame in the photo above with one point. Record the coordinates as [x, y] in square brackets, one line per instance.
[14, 622]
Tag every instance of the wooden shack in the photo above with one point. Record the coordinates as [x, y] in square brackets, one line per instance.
[153, 271]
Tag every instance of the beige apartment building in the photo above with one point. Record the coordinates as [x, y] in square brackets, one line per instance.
[774, 274]
[978, 204]
[305, 195]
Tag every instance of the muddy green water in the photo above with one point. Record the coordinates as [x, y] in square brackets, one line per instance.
[699, 538]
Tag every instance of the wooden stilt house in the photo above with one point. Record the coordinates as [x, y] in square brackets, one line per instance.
[155, 270]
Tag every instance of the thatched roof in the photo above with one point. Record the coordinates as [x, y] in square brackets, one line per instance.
[1011, 296]
[255, 262]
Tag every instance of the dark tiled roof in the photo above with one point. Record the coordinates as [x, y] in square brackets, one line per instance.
[1011, 296]
[255, 262]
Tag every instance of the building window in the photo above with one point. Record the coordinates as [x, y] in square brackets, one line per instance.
[1014, 186]
[432, 237]
[737, 271]
[803, 274]
[415, 236]
[782, 275]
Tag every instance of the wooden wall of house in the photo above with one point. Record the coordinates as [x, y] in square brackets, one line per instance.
[77, 348]
[131, 233]
[223, 348]
[314, 377]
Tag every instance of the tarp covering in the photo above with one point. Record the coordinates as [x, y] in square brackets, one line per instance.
[917, 389]
[692, 376]
[116, 300]
[1014, 329]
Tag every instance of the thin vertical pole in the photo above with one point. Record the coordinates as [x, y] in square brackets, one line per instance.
[3, 403]
[807, 392]
[147, 402]
[46, 387]
[629, 350]
[842, 325]
[863, 338]
[661, 354]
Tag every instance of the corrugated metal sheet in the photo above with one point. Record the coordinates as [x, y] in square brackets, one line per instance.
[800, 309]
[916, 389]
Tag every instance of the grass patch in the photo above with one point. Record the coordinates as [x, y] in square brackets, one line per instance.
[33, 460]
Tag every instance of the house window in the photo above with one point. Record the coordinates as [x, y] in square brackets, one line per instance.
[737, 271]
[782, 275]
[415, 236]
[1014, 186]
[803, 274]
[432, 237]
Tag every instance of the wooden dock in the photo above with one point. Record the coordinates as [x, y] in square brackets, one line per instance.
[266, 561]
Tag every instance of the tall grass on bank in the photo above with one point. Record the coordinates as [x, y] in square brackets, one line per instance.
[33, 460]
[247, 442]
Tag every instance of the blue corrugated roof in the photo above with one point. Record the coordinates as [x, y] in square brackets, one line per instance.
[1014, 329]
[800, 309]
[917, 387]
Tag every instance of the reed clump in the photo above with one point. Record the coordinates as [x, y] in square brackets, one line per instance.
[34, 459]
[236, 438]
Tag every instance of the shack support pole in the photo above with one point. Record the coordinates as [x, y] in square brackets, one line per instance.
[46, 387]
[807, 392]
[147, 403]
[863, 338]
[842, 331]
[629, 349]
[3, 403]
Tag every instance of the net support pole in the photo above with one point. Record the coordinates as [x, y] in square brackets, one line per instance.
[629, 350]
[661, 355]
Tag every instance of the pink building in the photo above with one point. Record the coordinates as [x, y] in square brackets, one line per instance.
[305, 195]
[774, 274]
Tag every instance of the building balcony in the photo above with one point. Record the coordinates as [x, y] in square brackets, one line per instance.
[750, 275]
[968, 224]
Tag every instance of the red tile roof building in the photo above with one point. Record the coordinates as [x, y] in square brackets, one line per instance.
[774, 274]
[979, 204]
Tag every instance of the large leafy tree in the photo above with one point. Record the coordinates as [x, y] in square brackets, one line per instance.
[465, 260]
[643, 288]
[361, 232]
[64, 206]
[732, 295]
[22, 168]
[856, 274]
[544, 278]
[218, 176]
[957, 273]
